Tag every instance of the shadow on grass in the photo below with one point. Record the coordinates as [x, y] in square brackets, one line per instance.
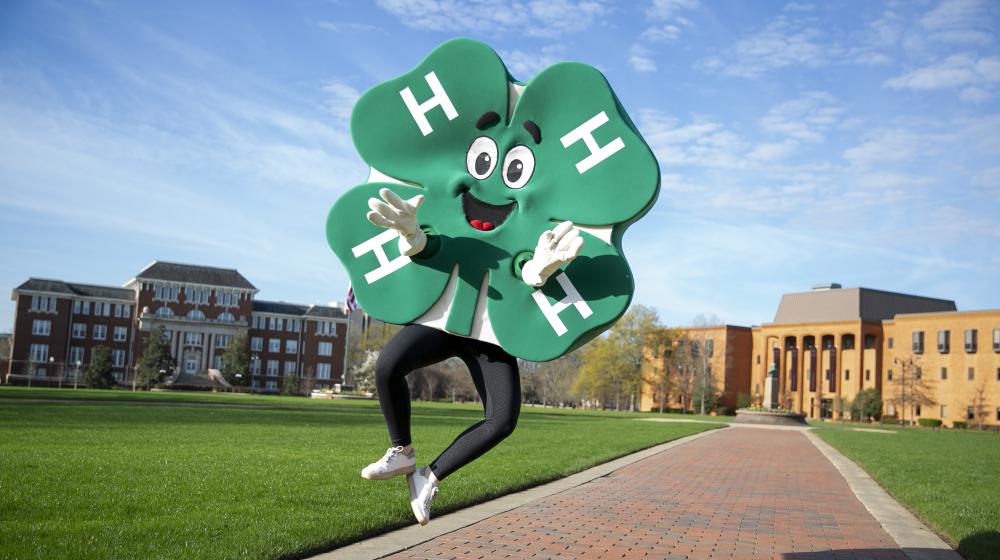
[981, 545]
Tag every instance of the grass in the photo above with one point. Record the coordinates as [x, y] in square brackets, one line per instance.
[951, 479]
[275, 480]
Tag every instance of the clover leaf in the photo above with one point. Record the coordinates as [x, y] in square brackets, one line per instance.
[498, 163]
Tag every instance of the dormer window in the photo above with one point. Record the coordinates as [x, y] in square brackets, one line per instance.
[227, 317]
[164, 312]
[195, 314]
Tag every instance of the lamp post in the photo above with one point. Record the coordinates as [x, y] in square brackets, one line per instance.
[255, 367]
[76, 374]
[62, 372]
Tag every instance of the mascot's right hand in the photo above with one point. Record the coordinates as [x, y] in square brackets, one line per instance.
[555, 248]
[400, 215]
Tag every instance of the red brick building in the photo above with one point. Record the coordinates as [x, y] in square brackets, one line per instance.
[58, 324]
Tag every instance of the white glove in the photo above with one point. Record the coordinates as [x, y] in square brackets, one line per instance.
[400, 215]
[556, 247]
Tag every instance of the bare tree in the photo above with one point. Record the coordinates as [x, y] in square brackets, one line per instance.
[662, 360]
[701, 350]
[910, 389]
[979, 405]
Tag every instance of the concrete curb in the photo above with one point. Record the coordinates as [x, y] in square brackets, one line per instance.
[408, 537]
[917, 541]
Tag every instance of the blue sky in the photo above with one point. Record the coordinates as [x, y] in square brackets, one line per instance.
[855, 142]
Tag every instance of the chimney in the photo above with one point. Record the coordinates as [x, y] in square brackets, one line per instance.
[825, 287]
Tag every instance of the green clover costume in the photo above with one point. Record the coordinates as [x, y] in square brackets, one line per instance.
[498, 162]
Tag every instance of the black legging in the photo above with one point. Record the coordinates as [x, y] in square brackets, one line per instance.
[493, 371]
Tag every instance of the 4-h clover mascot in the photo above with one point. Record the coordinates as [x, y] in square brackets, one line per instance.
[490, 226]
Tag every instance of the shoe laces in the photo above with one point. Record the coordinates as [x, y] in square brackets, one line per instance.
[390, 453]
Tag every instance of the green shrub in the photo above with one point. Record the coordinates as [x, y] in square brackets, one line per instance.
[744, 400]
[959, 425]
[892, 420]
[929, 422]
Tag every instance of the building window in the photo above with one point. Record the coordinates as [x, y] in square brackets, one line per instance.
[118, 358]
[918, 342]
[255, 367]
[272, 367]
[289, 368]
[972, 373]
[43, 303]
[274, 345]
[222, 340]
[888, 375]
[79, 330]
[217, 362]
[944, 342]
[191, 365]
[227, 317]
[998, 374]
[944, 411]
[325, 349]
[120, 334]
[39, 352]
[195, 314]
[869, 341]
[970, 413]
[322, 371]
[970, 340]
[75, 355]
[291, 346]
[86, 308]
[257, 344]
[293, 325]
[847, 342]
[710, 347]
[100, 332]
[193, 338]
[918, 410]
[998, 414]
[41, 327]
[76, 307]
[758, 359]
[118, 310]
[164, 312]
[996, 340]
[944, 374]
[919, 372]
[847, 375]
[126, 311]
[272, 385]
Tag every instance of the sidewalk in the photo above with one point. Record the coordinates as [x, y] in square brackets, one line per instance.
[736, 493]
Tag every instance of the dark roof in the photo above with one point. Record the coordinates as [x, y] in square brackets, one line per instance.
[195, 274]
[853, 304]
[264, 306]
[75, 289]
[312, 311]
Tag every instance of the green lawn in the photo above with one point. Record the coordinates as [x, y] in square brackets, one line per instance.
[949, 478]
[276, 480]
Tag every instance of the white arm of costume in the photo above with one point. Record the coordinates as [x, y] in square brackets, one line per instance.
[400, 215]
[556, 247]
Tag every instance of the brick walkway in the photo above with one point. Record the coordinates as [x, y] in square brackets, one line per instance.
[740, 493]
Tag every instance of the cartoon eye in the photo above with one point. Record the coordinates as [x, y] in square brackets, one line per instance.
[482, 157]
[518, 167]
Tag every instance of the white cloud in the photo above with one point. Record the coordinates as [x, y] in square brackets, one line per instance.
[665, 10]
[783, 42]
[975, 95]
[805, 118]
[771, 151]
[341, 99]
[955, 71]
[640, 60]
[886, 146]
[536, 18]
[524, 64]
[347, 26]
[962, 21]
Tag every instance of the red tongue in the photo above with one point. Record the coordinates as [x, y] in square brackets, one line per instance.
[481, 225]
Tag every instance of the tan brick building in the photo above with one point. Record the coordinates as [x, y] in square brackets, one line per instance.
[926, 358]
[58, 324]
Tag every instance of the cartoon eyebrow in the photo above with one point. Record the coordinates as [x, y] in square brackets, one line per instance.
[488, 119]
[534, 131]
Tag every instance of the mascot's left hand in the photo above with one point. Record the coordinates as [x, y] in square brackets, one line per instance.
[400, 215]
[556, 247]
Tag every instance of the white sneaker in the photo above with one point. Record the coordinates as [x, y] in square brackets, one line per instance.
[393, 463]
[422, 491]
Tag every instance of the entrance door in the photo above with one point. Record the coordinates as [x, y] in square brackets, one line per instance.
[826, 408]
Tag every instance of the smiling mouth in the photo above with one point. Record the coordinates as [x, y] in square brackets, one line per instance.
[483, 216]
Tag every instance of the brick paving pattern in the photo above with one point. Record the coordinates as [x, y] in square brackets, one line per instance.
[740, 493]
